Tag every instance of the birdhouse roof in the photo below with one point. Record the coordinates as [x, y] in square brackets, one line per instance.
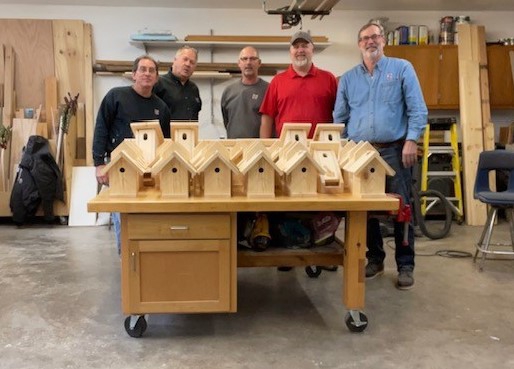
[369, 156]
[248, 162]
[134, 162]
[212, 156]
[168, 156]
[295, 160]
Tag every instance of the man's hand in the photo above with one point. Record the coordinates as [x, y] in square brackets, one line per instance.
[102, 179]
[409, 153]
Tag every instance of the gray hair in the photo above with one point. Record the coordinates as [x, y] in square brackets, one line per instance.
[185, 48]
[369, 24]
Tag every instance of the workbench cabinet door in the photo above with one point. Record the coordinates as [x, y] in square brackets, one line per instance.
[179, 276]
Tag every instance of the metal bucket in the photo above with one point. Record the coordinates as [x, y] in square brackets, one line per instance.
[446, 32]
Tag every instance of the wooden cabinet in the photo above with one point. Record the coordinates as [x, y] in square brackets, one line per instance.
[437, 69]
[179, 263]
[501, 85]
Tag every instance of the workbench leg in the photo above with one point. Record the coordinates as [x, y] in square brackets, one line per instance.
[354, 260]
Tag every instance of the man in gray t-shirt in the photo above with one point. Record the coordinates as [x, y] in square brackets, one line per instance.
[241, 100]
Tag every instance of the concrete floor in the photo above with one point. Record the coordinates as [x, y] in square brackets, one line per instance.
[60, 308]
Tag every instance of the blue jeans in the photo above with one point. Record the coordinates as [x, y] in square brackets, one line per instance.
[116, 225]
[399, 184]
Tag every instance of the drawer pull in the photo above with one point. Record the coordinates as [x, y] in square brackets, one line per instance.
[179, 228]
[133, 259]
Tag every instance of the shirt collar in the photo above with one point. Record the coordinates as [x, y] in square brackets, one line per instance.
[379, 66]
[313, 71]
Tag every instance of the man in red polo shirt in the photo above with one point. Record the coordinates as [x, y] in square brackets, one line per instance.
[301, 94]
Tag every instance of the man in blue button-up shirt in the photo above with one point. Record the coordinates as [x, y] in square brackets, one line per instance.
[380, 101]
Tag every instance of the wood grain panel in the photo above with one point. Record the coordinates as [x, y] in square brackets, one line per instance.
[33, 47]
[68, 38]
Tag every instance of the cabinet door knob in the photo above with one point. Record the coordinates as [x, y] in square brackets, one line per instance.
[133, 259]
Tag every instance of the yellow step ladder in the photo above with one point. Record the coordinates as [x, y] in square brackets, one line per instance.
[430, 149]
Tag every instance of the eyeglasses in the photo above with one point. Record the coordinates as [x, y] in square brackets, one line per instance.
[248, 58]
[372, 37]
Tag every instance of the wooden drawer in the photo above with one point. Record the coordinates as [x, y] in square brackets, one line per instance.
[178, 226]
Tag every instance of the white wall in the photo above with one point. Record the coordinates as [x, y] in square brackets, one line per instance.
[113, 26]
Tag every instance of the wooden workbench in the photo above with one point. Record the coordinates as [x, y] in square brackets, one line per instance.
[180, 255]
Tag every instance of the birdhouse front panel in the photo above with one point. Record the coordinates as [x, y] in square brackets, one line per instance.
[303, 180]
[186, 138]
[372, 179]
[261, 180]
[174, 180]
[123, 180]
[217, 180]
[146, 140]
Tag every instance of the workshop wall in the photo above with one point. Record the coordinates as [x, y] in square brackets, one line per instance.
[113, 26]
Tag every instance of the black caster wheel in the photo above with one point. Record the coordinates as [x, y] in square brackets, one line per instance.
[313, 271]
[356, 321]
[138, 329]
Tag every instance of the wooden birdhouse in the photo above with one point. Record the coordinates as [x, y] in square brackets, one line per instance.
[367, 174]
[173, 171]
[330, 132]
[325, 154]
[186, 134]
[148, 136]
[216, 170]
[125, 174]
[295, 132]
[259, 172]
[344, 153]
[300, 171]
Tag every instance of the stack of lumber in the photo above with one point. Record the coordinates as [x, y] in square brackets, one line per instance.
[41, 61]
[475, 114]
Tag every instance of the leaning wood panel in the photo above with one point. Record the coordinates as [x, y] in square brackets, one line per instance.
[33, 46]
[89, 124]
[471, 119]
[472, 143]
[478, 37]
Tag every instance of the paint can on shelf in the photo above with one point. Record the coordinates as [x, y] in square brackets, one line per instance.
[423, 35]
[404, 35]
[446, 31]
[396, 40]
[413, 35]
[390, 38]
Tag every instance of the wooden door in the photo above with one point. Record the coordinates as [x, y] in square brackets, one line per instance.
[448, 77]
[501, 85]
[425, 60]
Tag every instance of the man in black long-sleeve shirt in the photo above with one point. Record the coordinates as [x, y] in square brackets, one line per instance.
[122, 106]
[177, 90]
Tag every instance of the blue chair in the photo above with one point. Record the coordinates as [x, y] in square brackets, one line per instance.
[495, 160]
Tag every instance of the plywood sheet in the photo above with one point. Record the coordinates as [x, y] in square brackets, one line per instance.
[83, 189]
[33, 47]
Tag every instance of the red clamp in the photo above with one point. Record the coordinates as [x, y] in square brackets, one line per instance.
[403, 215]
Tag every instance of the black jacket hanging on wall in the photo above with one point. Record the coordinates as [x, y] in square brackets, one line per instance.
[38, 181]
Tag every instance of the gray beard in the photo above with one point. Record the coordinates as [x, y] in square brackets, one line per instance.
[300, 63]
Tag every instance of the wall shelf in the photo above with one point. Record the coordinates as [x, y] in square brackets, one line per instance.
[219, 44]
